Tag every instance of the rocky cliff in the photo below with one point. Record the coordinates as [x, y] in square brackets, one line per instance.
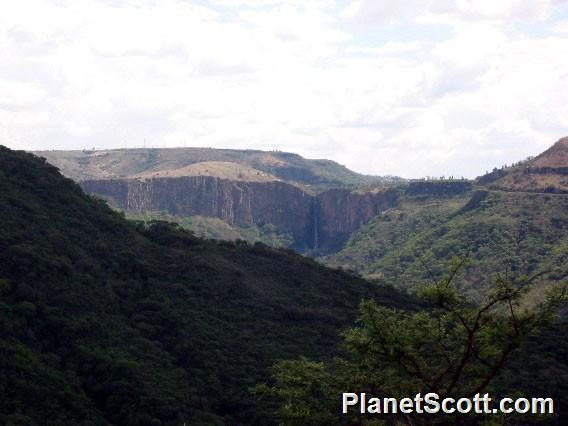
[317, 222]
[339, 213]
[440, 188]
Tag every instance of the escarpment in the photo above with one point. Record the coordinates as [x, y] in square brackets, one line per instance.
[319, 222]
[341, 212]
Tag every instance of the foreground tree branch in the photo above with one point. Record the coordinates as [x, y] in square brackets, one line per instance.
[454, 347]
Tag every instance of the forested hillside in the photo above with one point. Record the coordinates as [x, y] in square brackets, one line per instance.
[105, 321]
[525, 233]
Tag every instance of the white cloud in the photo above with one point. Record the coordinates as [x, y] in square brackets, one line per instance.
[17, 96]
[374, 85]
[392, 11]
[389, 11]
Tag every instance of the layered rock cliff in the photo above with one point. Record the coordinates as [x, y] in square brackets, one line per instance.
[340, 212]
[317, 222]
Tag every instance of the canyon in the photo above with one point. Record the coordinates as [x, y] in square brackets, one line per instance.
[319, 222]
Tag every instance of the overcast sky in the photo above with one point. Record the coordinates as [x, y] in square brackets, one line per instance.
[409, 88]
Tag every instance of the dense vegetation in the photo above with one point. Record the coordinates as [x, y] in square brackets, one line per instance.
[520, 233]
[525, 233]
[454, 349]
[213, 228]
[514, 217]
[390, 230]
[105, 321]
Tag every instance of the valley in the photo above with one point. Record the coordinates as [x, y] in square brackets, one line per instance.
[283, 213]
[223, 310]
[107, 321]
[394, 231]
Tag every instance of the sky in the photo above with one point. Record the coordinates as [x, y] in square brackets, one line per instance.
[411, 88]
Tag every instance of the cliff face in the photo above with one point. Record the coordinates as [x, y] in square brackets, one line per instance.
[439, 188]
[321, 222]
[341, 212]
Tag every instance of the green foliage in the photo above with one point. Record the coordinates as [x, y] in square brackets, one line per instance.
[213, 228]
[454, 349]
[526, 233]
[108, 321]
[305, 389]
[104, 321]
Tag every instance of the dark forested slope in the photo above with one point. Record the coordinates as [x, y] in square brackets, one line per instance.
[107, 321]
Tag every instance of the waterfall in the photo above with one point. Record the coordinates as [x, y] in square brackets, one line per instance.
[315, 222]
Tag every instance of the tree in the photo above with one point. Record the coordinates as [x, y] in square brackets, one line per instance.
[453, 348]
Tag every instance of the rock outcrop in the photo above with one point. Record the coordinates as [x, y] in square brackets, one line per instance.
[317, 222]
[439, 188]
[547, 172]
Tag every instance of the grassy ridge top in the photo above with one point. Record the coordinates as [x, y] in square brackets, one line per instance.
[124, 163]
[222, 169]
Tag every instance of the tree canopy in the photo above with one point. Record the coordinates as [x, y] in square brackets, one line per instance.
[454, 348]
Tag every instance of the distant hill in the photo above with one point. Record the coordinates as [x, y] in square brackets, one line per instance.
[223, 169]
[515, 218]
[142, 162]
[548, 172]
[508, 229]
[274, 197]
[105, 321]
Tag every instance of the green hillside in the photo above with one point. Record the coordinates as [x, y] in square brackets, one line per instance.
[390, 230]
[213, 228]
[525, 232]
[105, 321]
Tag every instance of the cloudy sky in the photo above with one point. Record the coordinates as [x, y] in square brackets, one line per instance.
[410, 88]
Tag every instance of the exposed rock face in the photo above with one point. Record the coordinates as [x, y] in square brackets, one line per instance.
[317, 222]
[340, 213]
[547, 170]
[439, 188]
